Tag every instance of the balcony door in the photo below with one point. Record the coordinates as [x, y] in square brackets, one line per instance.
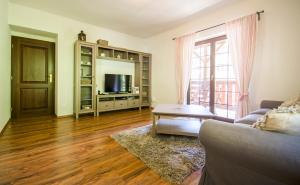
[213, 82]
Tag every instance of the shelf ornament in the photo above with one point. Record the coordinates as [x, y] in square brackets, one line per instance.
[82, 36]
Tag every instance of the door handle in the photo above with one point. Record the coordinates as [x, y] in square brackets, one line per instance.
[50, 78]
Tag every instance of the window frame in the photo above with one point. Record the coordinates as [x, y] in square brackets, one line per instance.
[212, 42]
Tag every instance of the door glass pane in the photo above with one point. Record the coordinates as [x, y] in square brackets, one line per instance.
[221, 72]
[221, 59]
[200, 76]
[221, 97]
[221, 110]
[222, 47]
[226, 91]
[232, 112]
[204, 96]
[86, 98]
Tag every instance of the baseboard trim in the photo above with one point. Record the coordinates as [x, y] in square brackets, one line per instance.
[5, 126]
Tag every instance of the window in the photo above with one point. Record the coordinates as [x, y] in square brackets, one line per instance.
[213, 82]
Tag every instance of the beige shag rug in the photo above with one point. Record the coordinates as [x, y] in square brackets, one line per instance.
[172, 157]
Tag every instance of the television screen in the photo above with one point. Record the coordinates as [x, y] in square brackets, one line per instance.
[115, 83]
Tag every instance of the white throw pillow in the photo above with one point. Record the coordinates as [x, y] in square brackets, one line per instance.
[291, 102]
[283, 120]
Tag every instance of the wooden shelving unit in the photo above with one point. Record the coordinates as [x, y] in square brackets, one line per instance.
[145, 79]
[85, 97]
[142, 68]
[84, 78]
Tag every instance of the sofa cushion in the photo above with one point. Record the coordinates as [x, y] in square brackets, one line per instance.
[243, 125]
[270, 104]
[261, 111]
[249, 119]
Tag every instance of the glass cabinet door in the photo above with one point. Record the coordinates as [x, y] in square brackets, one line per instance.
[146, 81]
[86, 78]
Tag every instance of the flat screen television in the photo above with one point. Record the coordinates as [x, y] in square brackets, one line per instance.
[117, 83]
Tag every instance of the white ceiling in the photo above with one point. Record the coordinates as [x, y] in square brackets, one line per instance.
[141, 18]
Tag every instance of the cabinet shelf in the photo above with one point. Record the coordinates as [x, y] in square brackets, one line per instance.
[83, 111]
[116, 59]
[86, 99]
[86, 65]
[87, 54]
[86, 85]
[118, 54]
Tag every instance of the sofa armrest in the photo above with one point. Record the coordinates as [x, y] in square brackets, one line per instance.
[272, 155]
[270, 104]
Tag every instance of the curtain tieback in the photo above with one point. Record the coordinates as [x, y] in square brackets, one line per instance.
[243, 96]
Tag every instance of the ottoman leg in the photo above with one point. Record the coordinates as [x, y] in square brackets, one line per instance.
[154, 126]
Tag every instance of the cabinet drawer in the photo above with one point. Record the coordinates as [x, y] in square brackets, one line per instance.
[133, 103]
[120, 104]
[106, 105]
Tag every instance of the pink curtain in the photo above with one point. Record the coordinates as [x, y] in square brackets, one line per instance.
[184, 51]
[241, 34]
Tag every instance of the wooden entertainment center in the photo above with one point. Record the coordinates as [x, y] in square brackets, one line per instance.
[86, 99]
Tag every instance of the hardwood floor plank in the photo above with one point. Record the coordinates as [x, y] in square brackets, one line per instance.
[50, 150]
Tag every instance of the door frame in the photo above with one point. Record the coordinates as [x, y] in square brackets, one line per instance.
[13, 63]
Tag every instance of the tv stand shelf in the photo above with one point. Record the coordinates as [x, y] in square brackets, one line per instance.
[111, 102]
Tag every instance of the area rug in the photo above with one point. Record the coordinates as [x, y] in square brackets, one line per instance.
[172, 157]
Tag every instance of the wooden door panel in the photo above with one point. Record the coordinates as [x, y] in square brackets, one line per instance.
[34, 64]
[32, 88]
[33, 99]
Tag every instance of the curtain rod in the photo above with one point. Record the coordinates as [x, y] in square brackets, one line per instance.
[258, 17]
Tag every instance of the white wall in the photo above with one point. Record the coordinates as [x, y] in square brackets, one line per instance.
[66, 30]
[277, 61]
[4, 65]
[111, 67]
[27, 34]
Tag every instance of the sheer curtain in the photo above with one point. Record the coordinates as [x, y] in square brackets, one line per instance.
[241, 34]
[184, 51]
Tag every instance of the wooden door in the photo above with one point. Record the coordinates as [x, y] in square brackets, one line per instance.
[32, 77]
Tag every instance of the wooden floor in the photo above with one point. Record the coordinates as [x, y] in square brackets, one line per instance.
[48, 150]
